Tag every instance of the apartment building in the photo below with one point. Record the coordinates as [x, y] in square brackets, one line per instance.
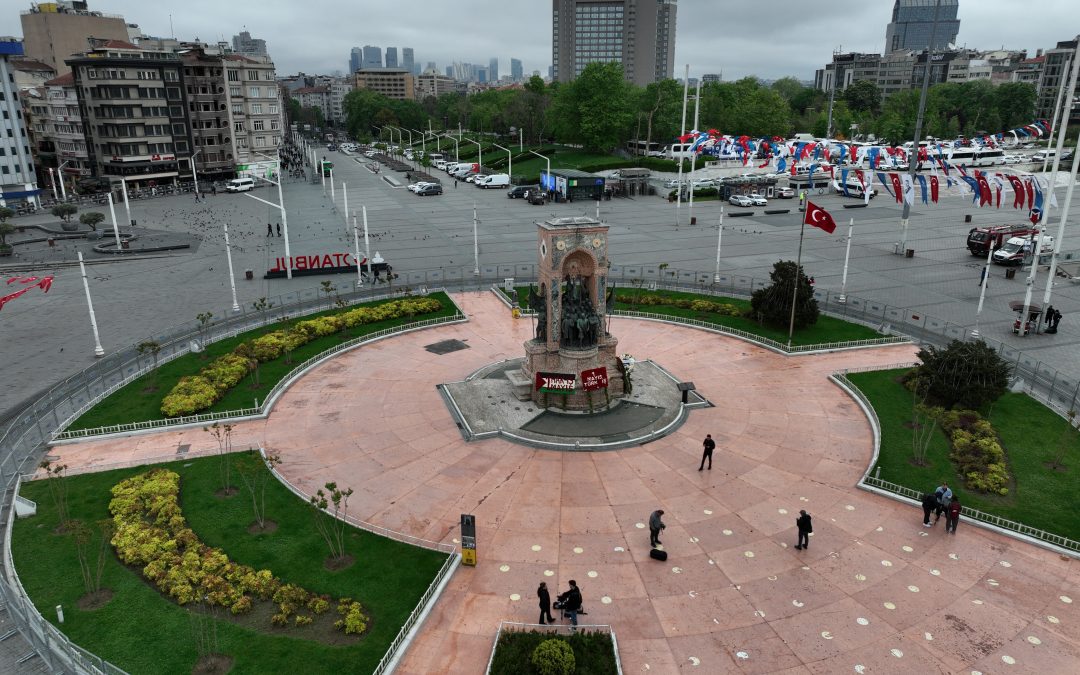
[18, 183]
[256, 111]
[433, 83]
[395, 83]
[59, 140]
[133, 112]
[55, 31]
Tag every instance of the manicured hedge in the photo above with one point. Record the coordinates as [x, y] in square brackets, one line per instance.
[650, 299]
[976, 452]
[195, 393]
[152, 533]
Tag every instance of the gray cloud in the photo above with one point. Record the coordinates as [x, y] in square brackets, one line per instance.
[766, 38]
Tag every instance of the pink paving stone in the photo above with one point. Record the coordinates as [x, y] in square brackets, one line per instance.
[787, 438]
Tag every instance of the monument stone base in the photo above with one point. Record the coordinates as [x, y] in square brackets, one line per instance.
[539, 357]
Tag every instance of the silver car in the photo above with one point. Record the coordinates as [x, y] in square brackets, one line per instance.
[740, 200]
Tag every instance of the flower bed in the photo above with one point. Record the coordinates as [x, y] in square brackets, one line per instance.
[976, 451]
[196, 393]
[152, 533]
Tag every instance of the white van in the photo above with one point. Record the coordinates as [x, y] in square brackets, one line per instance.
[1044, 156]
[495, 180]
[439, 164]
[240, 185]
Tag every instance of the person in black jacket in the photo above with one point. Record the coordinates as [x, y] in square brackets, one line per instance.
[805, 528]
[545, 603]
[929, 505]
[571, 602]
[709, 445]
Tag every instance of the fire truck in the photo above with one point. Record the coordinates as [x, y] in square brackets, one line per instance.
[981, 240]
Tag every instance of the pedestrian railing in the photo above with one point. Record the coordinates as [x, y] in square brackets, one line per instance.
[554, 629]
[913, 496]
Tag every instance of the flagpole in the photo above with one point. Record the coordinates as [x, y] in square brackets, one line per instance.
[1050, 199]
[982, 289]
[1054, 125]
[719, 236]
[847, 255]
[1061, 229]
[798, 267]
[98, 351]
[356, 245]
[367, 247]
[693, 155]
[678, 188]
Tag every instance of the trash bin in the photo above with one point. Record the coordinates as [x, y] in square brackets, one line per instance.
[693, 220]
[249, 275]
[1010, 273]
[967, 218]
[125, 244]
[52, 242]
[910, 253]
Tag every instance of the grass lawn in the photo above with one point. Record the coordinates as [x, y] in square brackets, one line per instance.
[827, 328]
[142, 631]
[1041, 497]
[593, 653]
[140, 400]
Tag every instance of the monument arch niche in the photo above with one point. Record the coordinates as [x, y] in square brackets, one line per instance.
[571, 338]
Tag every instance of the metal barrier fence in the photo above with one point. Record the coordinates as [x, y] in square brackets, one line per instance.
[25, 437]
[554, 629]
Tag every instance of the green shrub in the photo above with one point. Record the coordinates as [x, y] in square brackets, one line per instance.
[771, 305]
[553, 657]
[976, 451]
[963, 374]
[303, 619]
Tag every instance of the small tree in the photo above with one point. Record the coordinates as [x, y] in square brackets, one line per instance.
[205, 318]
[58, 489]
[83, 536]
[772, 305]
[92, 219]
[1066, 440]
[6, 228]
[328, 288]
[255, 473]
[553, 657]
[964, 374]
[6, 214]
[262, 305]
[330, 509]
[64, 211]
[222, 433]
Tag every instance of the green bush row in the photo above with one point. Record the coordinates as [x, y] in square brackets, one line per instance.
[648, 299]
[976, 451]
[194, 393]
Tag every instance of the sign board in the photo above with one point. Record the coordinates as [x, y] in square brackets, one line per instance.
[468, 539]
[555, 383]
[594, 378]
[323, 263]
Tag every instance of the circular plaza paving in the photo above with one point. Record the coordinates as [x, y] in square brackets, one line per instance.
[874, 592]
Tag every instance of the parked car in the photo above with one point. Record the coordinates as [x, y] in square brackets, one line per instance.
[785, 193]
[473, 177]
[430, 189]
[415, 187]
[495, 180]
[673, 183]
[537, 197]
[519, 191]
[740, 200]
[758, 200]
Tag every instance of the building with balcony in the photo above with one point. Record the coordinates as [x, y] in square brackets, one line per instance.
[55, 31]
[395, 83]
[18, 182]
[256, 111]
[913, 23]
[59, 141]
[1055, 72]
[134, 114]
[433, 83]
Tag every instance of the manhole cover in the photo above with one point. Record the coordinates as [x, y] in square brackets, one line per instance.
[182, 449]
[446, 347]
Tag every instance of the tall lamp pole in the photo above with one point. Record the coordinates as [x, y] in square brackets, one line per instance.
[98, 351]
[548, 167]
[457, 155]
[719, 236]
[682, 132]
[479, 153]
[510, 161]
[194, 175]
[232, 277]
[280, 206]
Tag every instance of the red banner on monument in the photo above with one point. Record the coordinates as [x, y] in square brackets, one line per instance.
[594, 378]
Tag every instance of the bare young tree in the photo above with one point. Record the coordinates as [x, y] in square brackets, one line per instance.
[330, 508]
[222, 433]
[255, 473]
[58, 489]
[924, 421]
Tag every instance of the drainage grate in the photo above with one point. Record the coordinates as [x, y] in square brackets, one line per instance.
[446, 347]
[182, 449]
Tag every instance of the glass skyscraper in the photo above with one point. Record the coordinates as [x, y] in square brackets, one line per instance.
[913, 21]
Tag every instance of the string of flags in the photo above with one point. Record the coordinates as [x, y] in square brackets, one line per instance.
[27, 283]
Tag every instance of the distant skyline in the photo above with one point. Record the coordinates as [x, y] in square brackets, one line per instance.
[766, 38]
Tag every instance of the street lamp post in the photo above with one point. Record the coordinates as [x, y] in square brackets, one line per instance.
[115, 225]
[52, 181]
[457, 155]
[548, 164]
[280, 206]
[510, 161]
[127, 203]
[232, 277]
[719, 237]
[194, 175]
[479, 153]
[60, 175]
[356, 255]
[98, 351]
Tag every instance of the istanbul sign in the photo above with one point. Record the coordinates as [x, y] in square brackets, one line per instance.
[322, 263]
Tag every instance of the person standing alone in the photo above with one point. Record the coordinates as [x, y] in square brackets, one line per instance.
[805, 528]
[655, 525]
[709, 446]
[952, 515]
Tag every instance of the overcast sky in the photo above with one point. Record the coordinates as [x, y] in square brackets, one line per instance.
[766, 38]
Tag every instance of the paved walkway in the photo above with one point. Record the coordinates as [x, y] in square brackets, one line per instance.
[879, 593]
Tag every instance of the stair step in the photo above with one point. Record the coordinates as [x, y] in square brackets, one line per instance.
[26, 657]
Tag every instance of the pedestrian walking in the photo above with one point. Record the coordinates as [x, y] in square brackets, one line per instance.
[929, 503]
[1050, 314]
[952, 516]
[545, 603]
[709, 446]
[279, 229]
[655, 525]
[570, 603]
[982, 276]
[269, 230]
[803, 522]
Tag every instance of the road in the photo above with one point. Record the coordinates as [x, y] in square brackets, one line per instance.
[46, 337]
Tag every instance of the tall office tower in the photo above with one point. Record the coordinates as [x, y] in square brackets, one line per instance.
[639, 34]
[516, 73]
[245, 45]
[54, 31]
[913, 21]
[431, 66]
[356, 59]
[391, 57]
[372, 57]
[18, 182]
[408, 61]
[493, 69]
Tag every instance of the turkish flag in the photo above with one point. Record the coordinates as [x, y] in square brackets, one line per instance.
[985, 197]
[45, 284]
[898, 189]
[8, 298]
[1018, 191]
[933, 189]
[819, 217]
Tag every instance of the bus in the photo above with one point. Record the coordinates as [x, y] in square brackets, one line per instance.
[644, 148]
